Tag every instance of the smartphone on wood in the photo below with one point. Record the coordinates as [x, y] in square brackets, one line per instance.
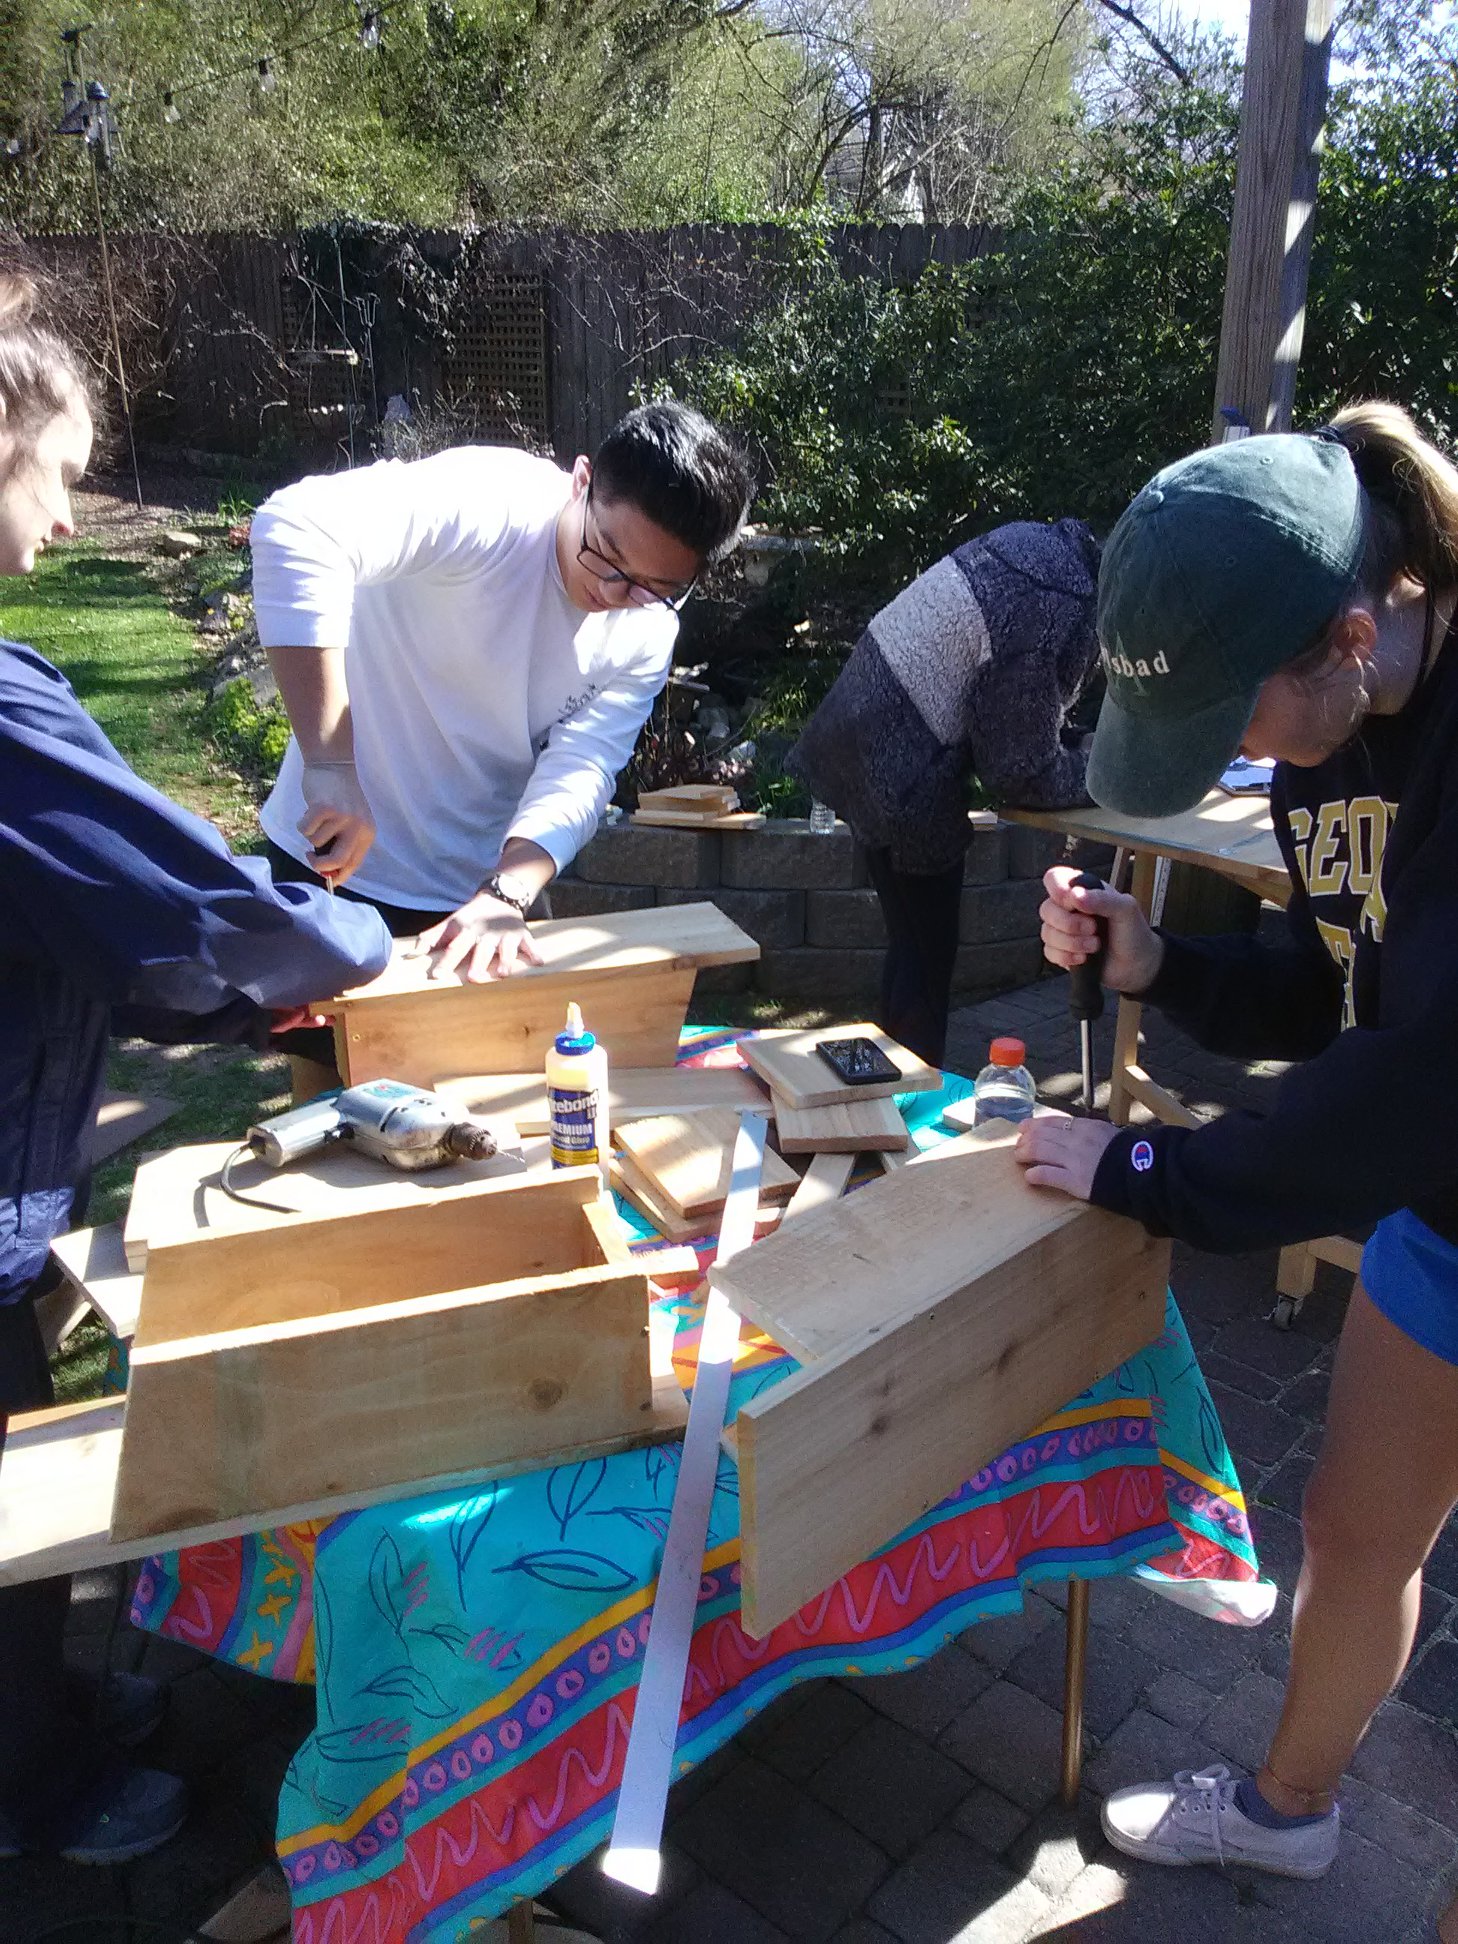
[858, 1062]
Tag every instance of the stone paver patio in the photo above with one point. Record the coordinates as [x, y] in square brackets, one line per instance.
[921, 1807]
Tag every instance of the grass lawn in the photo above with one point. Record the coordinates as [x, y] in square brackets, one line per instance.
[135, 665]
[137, 668]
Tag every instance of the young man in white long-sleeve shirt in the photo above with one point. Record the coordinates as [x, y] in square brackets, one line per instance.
[467, 646]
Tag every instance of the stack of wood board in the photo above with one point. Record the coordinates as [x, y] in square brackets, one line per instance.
[632, 973]
[791, 1068]
[380, 1349]
[634, 1093]
[706, 806]
[816, 1112]
[854, 1127]
[940, 1315]
[688, 1160]
[667, 1220]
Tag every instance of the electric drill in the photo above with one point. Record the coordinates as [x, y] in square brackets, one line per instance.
[409, 1127]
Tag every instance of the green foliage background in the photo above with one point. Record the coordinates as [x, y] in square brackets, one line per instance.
[1056, 374]
[598, 112]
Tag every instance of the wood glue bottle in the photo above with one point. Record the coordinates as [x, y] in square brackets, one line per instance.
[577, 1097]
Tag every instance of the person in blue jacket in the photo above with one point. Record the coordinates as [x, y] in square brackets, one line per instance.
[119, 912]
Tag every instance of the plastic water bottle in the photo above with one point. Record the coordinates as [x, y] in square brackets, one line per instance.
[822, 819]
[1005, 1089]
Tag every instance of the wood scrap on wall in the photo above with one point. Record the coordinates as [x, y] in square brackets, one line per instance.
[705, 806]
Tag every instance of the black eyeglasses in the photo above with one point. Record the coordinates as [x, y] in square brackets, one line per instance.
[641, 593]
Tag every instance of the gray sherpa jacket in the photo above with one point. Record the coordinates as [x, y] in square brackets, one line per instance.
[970, 671]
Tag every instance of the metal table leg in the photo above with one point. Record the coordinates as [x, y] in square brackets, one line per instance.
[1075, 1660]
[521, 1926]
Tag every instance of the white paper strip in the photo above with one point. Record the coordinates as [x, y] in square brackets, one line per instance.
[633, 1855]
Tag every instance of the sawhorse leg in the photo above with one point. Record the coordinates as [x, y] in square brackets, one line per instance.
[1075, 1662]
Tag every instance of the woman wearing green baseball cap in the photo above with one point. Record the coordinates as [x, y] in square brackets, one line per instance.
[1293, 596]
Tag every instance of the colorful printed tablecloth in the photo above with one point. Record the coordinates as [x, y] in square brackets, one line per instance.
[476, 1656]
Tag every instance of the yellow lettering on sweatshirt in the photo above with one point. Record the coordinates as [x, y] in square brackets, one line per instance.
[1340, 849]
[1328, 867]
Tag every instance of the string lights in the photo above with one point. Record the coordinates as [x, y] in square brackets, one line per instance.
[91, 116]
[369, 29]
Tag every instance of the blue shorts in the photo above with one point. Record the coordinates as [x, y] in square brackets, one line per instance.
[1411, 1274]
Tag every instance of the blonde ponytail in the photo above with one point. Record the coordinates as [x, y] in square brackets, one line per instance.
[1412, 490]
[40, 374]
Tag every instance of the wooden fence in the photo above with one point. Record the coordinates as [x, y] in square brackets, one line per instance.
[266, 345]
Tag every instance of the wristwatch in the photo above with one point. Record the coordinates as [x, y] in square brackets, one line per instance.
[510, 890]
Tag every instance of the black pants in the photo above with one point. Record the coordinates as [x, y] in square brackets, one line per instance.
[923, 921]
[317, 1042]
[49, 1754]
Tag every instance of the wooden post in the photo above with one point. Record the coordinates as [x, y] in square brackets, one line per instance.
[1282, 111]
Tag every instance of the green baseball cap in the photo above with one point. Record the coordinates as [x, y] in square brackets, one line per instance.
[1225, 567]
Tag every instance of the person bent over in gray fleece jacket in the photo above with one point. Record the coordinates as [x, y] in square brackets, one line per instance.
[970, 672]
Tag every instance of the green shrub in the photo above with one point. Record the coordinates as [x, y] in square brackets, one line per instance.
[253, 737]
[1054, 375]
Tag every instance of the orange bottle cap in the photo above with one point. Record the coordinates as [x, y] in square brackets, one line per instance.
[1007, 1052]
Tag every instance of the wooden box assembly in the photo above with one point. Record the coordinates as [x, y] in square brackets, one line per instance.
[940, 1315]
[178, 1194]
[357, 1355]
[632, 973]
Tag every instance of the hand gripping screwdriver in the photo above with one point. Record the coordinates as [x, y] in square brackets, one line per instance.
[1086, 991]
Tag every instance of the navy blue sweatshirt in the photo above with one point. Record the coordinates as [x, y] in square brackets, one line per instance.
[120, 911]
[971, 670]
[1364, 994]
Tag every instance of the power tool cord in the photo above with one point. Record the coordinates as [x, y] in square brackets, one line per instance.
[249, 1201]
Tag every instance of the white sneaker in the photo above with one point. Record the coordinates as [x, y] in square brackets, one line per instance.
[1195, 1819]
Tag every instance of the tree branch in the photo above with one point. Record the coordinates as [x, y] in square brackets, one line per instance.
[1141, 27]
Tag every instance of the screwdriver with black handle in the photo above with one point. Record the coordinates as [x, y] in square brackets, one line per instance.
[1086, 990]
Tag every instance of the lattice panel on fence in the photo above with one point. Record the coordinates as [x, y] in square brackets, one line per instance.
[500, 359]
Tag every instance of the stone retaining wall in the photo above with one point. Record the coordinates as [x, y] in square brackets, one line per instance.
[807, 900]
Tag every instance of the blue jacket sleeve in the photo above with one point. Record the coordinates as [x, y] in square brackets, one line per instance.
[141, 902]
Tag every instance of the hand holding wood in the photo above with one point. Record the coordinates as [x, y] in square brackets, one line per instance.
[1062, 1153]
[486, 939]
